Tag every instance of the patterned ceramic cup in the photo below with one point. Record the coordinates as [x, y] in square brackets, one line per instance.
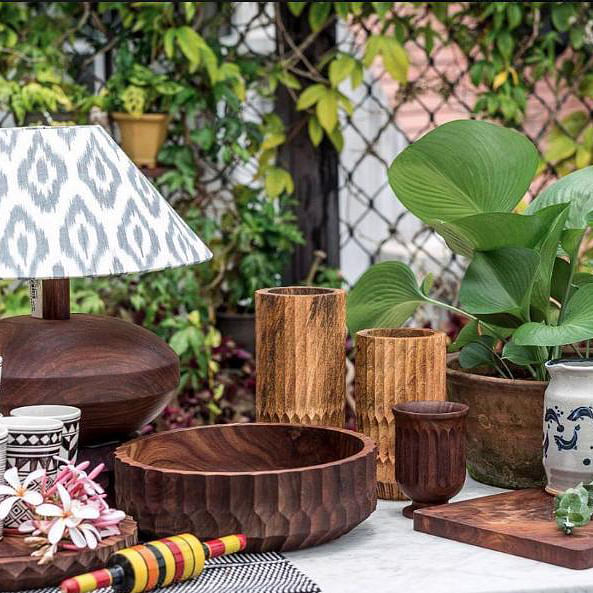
[33, 443]
[69, 415]
[3, 441]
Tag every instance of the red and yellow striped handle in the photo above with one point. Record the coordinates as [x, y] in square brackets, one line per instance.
[155, 564]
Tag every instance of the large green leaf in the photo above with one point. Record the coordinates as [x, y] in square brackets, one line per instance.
[577, 324]
[386, 295]
[462, 168]
[499, 281]
[575, 189]
[524, 355]
[493, 230]
[547, 250]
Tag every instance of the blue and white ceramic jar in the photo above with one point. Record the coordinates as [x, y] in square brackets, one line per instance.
[568, 424]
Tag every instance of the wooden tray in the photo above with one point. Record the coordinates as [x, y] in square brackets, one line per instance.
[19, 571]
[518, 522]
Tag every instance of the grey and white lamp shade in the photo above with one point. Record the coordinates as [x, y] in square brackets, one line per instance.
[73, 204]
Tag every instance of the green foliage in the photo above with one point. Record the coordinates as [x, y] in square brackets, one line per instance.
[521, 289]
[251, 251]
[574, 507]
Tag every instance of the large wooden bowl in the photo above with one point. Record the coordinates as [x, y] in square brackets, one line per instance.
[285, 486]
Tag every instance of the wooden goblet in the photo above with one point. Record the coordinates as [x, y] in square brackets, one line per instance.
[430, 456]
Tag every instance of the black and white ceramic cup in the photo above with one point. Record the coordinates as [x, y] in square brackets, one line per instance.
[33, 443]
[69, 415]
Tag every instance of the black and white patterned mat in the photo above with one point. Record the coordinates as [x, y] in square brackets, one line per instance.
[242, 573]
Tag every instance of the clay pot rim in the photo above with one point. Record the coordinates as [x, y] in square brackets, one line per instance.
[368, 448]
[156, 117]
[421, 333]
[305, 291]
[460, 411]
[453, 373]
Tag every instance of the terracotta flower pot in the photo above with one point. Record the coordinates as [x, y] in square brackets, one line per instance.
[142, 137]
[504, 426]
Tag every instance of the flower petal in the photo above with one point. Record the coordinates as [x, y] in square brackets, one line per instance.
[26, 526]
[77, 538]
[72, 521]
[36, 475]
[32, 497]
[6, 505]
[56, 531]
[87, 512]
[65, 498]
[49, 510]
[7, 490]
[11, 476]
[90, 537]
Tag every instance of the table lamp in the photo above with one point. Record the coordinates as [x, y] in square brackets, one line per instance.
[72, 204]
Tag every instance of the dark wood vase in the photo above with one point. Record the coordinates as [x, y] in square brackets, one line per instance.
[430, 456]
[504, 426]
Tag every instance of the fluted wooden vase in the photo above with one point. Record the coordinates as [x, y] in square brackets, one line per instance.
[301, 355]
[394, 366]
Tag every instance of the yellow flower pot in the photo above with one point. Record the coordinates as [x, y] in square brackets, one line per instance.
[143, 136]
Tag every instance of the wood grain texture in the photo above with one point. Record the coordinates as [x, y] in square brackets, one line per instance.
[430, 458]
[301, 355]
[393, 366]
[285, 486]
[19, 571]
[119, 374]
[56, 298]
[504, 426]
[518, 523]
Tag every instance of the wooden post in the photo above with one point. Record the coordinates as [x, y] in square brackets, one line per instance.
[50, 299]
[394, 366]
[301, 355]
[314, 170]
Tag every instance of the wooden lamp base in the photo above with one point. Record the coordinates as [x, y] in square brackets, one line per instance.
[119, 374]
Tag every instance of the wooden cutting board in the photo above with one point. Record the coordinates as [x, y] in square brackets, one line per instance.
[518, 522]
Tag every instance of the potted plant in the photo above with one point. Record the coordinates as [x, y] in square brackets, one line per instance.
[257, 236]
[523, 293]
[139, 101]
[45, 99]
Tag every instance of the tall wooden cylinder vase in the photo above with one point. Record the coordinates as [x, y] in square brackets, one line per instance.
[301, 355]
[394, 366]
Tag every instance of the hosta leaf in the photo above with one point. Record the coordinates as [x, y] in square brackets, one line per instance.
[524, 355]
[462, 168]
[491, 230]
[499, 281]
[386, 295]
[575, 189]
[478, 353]
[547, 250]
[576, 326]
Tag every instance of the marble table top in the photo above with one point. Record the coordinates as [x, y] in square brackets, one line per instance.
[385, 555]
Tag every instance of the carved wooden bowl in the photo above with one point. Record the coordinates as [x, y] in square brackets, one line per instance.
[285, 486]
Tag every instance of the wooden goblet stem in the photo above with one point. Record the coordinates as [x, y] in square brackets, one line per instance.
[301, 355]
[393, 366]
[53, 302]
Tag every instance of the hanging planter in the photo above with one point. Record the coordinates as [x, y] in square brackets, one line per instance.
[142, 136]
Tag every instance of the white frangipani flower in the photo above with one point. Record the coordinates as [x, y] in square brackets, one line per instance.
[13, 490]
[70, 516]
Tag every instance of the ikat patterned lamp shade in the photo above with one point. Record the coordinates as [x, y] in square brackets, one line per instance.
[73, 204]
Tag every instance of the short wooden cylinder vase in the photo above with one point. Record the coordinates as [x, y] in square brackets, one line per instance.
[301, 355]
[394, 366]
